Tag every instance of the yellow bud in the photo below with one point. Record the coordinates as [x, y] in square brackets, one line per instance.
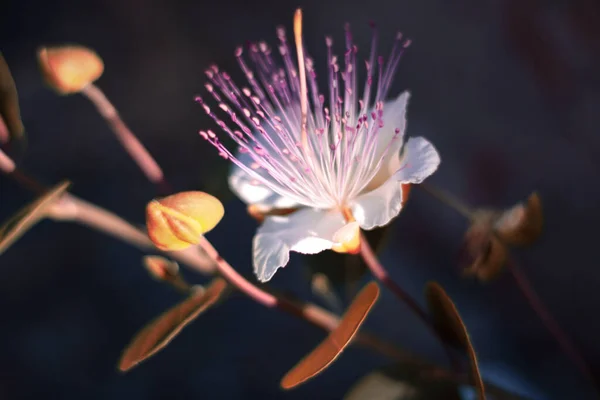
[178, 221]
[348, 239]
[68, 69]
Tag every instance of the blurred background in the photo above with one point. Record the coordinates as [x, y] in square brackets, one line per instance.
[507, 90]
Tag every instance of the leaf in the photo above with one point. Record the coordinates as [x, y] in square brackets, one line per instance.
[29, 215]
[158, 333]
[337, 340]
[9, 102]
[450, 326]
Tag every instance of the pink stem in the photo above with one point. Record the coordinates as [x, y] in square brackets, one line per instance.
[309, 312]
[7, 165]
[237, 280]
[128, 140]
[540, 309]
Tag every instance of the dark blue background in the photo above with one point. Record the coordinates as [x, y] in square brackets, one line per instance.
[506, 89]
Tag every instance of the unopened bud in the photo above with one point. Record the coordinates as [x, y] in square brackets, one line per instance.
[161, 269]
[68, 69]
[486, 254]
[347, 239]
[522, 224]
[179, 221]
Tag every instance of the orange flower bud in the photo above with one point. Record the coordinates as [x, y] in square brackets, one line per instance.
[68, 69]
[178, 221]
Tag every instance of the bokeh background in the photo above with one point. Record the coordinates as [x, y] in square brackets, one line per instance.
[506, 89]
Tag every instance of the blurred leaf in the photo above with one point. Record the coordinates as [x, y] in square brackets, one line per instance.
[9, 102]
[324, 354]
[29, 215]
[158, 333]
[402, 382]
[451, 328]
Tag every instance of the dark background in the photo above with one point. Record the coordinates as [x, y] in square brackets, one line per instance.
[507, 90]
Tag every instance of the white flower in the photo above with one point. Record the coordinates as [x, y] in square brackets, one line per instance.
[344, 163]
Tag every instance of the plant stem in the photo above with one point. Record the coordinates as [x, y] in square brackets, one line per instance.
[549, 321]
[523, 284]
[128, 140]
[378, 270]
[73, 209]
[448, 199]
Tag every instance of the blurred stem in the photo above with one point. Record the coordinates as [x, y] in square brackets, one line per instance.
[549, 322]
[448, 199]
[128, 140]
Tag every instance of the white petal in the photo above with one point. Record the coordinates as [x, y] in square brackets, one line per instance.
[420, 159]
[251, 191]
[378, 207]
[307, 231]
[394, 117]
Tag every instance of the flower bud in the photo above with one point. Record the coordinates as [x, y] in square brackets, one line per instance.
[486, 254]
[178, 221]
[522, 224]
[347, 239]
[161, 269]
[68, 69]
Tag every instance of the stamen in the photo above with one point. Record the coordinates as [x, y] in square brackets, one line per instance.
[302, 72]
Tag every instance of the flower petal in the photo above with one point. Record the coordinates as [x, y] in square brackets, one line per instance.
[394, 117]
[307, 231]
[252, 192]
[420, 159]
[376, 208]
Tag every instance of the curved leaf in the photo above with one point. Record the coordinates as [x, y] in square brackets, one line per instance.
[449, 324]
[158, 333]
[29, 215]
[324, 354]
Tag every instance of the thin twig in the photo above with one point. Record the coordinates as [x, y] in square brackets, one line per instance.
[128, 140]
[378, 270]
[549, 321]
[448, 199]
